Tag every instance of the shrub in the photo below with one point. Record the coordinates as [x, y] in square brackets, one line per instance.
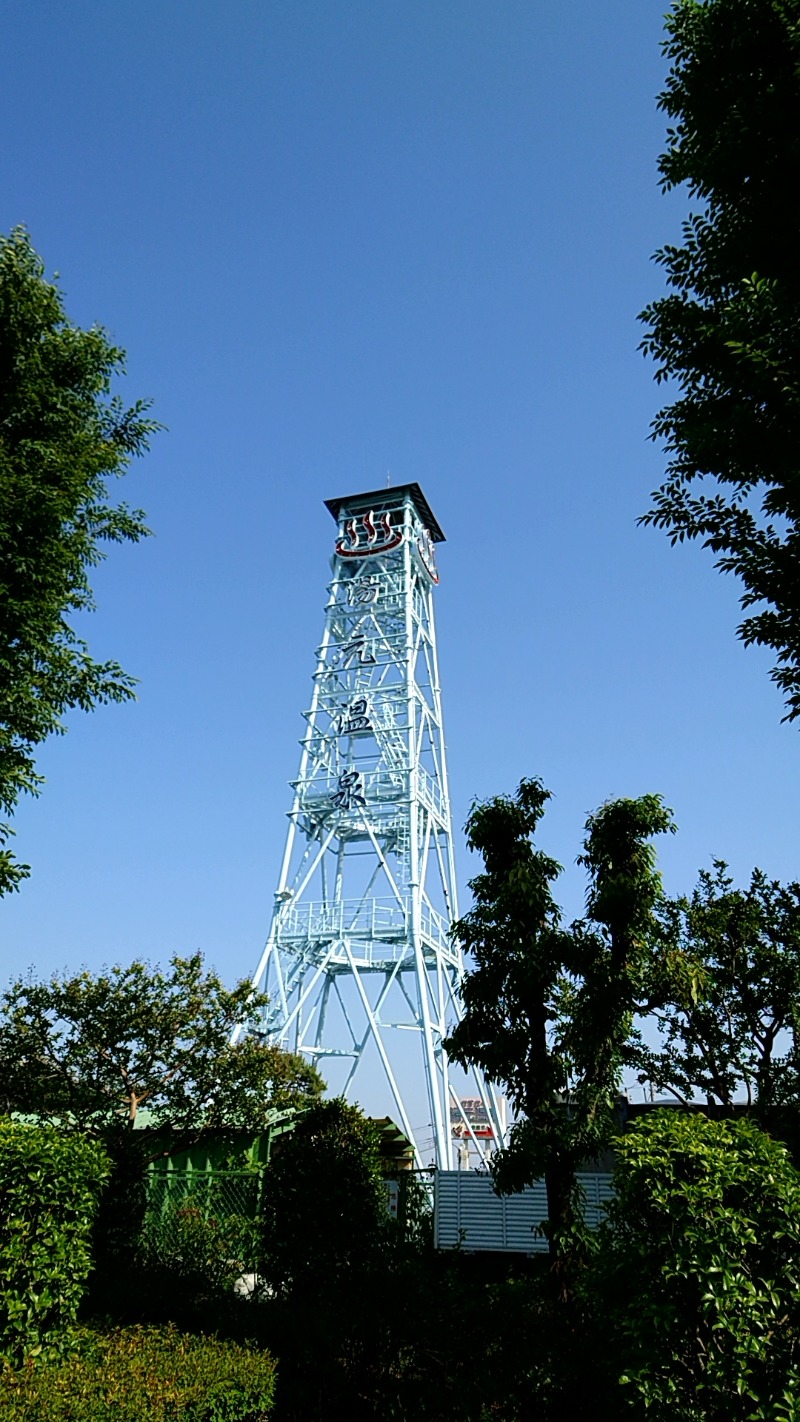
[204, 1252]
[121, 1211]
[697, 1272]
[324, 1218]
[49, 1185]
[143, 1375]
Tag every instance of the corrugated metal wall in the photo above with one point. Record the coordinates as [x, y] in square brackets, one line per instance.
[467, 1211]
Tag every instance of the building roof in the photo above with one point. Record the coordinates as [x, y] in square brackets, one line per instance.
[395, 1144]
[373, 498]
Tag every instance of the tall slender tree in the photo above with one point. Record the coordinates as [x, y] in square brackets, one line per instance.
[549, 1011]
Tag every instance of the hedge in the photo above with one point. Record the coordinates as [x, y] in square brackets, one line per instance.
[143, 1374]
[697, 1272]
[49, 1186]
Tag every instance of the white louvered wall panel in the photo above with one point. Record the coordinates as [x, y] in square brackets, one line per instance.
[467, 1211]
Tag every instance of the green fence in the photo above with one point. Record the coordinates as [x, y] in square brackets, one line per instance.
[203, 1219]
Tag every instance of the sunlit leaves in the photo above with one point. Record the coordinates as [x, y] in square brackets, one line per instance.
[727, 330]
[63, 436]
[93, 1050]
[49, 1188]
[145, 1374]
[697, 1271]
[725, 993]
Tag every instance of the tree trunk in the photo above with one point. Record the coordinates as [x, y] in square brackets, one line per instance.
[560, 1184]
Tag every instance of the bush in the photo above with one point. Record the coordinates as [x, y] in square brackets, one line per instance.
[202, 1251]
[697, 1272]
[120, 1213]
[143, 1375]
[324, 1216]
[49, 1185]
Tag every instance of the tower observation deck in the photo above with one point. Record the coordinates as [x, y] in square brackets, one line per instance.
[358, 956]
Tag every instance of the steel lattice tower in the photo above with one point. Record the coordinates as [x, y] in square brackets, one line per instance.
[358, 950]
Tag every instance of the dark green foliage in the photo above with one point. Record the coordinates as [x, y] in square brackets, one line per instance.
[120, 1215]
[549, 1011]
[49, 1185]
[324, 1213]
[342, 1276]
[203, 1237]
[725, 994]
[413, 1333]
[62, 437]
[434, 1336]
[144, 1375]
[448, 1339]
[728, 329]
[473, 1339]
[698, 1272]
[94, 1049]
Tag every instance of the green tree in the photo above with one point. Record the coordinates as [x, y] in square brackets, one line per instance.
[63, 436]
[727, 331]
[696, 1274]
[725, 994]
[548, 1011]
[325, 1219]
[335, 1280]
[93, 1050]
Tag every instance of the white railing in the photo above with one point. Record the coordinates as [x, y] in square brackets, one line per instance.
[376, 786]
[381, 919]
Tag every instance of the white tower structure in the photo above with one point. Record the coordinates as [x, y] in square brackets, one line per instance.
[358, 956]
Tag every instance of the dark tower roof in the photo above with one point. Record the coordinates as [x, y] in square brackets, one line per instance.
[374, 498]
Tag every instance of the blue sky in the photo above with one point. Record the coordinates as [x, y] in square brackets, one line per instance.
[338, 239]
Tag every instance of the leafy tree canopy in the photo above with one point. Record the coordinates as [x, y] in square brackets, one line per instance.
[727, 331]
[94, 1050]
[63, 435]
[725, 993]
